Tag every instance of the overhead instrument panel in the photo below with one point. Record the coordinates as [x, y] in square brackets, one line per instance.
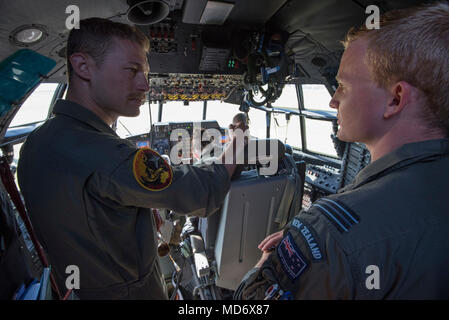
[192, 87]
[192, 58]
[162, 38]
[177, 47]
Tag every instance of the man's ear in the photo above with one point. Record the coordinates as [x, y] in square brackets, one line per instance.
[400, 96]
[80, 65]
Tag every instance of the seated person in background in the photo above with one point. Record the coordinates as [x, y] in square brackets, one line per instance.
[239, 120]
[204, 150]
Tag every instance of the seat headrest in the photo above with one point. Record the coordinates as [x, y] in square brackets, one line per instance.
[262, 149]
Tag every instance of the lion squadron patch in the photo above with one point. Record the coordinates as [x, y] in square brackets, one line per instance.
[151, 171]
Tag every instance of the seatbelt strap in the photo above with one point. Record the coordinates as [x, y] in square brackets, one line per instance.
[11, 188]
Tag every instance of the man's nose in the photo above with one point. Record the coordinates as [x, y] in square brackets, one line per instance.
[143, 84]
[334, 104]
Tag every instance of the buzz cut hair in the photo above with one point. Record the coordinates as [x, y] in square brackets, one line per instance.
[95, 36]
[412, 45]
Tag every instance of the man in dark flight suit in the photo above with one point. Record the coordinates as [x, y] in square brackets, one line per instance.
[90, 193]
[385, 235]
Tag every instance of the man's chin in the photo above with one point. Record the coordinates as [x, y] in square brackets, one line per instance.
[133, 110]
[129, 114]
[134, 114]
[342, 137]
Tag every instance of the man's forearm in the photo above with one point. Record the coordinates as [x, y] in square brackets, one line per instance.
[264, 258]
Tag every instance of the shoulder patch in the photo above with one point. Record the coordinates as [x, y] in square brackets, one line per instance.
[151, 171]
[292, 261]
[309, 236]
[337, 213]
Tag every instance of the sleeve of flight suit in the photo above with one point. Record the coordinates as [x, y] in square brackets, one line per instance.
[197, 190]
[308, 262]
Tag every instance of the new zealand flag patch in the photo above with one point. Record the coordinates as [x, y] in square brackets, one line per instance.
[292, 261]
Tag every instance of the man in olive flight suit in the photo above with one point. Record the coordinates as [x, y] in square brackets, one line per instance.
[385, 235]
[90, 193]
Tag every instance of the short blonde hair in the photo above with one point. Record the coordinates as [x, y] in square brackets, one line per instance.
[412, 45]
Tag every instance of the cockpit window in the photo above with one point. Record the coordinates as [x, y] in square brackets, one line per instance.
[36, 107]
[286, 126]
[131, 126]
[33, 110]
[286, 130]
[316, 97]
[177, 111]
[222, 112]
[318, 137]
[288, 98]
[318, 132]
[257, 123]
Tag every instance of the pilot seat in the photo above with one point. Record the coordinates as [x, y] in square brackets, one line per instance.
[256, 205]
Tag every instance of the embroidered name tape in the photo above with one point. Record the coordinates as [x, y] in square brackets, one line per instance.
[291, 258]
[309, 238]
[151, 171]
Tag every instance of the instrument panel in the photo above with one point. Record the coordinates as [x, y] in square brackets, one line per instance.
[192, 87]
[161, 139]
[320, 181]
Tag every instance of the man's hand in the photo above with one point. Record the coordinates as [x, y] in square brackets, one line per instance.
[235, 148]
[267, 246]
[270, 242]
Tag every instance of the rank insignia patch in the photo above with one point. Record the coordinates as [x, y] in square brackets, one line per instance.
[291, 258]
[151, 171]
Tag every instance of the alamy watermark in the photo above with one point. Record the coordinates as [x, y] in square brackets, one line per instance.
[209, 146]
[73, 280]
[73, 20]
[373, 20]
[373, 280]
